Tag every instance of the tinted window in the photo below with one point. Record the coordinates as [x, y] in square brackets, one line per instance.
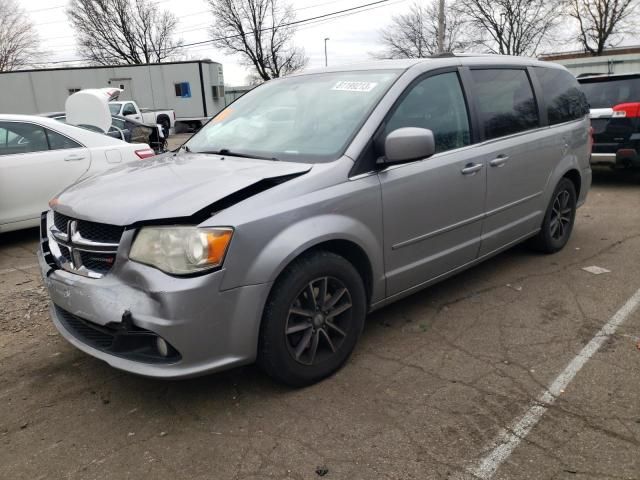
[129, 109]
[562, 95]
[21, 138]
[436, 103]
[116, 122]
[60, 142]
[605, 93]
[505, 101]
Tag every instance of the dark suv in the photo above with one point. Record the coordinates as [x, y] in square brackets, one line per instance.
[615, 117]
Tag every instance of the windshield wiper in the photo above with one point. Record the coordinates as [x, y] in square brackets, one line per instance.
[226, 151]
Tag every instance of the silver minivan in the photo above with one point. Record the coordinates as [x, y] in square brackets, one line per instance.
[309, 202]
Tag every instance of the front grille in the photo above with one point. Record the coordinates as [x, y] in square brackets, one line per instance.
[121, 339]
[98, 232]
[91, 334]
[60, 221]
[65, 253]
[97, 262]
[94, 263]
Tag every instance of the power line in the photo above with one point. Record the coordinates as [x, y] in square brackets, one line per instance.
[36, 24]
[45, 9]
[179, 17]
[315, 23]
[212, 40]
[193, 28]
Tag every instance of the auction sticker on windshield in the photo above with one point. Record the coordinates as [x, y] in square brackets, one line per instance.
[346, 86]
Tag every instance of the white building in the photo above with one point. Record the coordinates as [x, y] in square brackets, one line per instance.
[233, 93]
[193, 89]
[614, 60]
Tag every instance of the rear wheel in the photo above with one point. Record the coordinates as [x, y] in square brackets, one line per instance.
[313, 319]
[166, 126]
[558, 220]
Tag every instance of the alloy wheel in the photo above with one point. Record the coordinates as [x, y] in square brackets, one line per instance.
[560, 215]
[317, 322]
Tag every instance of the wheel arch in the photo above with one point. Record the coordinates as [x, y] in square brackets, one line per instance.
[568, 167]
[347, 249]
[358, 240]
[574, 175]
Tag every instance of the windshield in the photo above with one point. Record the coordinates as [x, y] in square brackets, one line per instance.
[114, 108]
[308, 118]
[609, 93]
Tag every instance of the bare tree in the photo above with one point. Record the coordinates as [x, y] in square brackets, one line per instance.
[19, 44]
[602, 22]
[123, 31]
[415, 34]
[511, 27]
[260, 32]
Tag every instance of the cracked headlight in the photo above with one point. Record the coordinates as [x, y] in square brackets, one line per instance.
[181, 250]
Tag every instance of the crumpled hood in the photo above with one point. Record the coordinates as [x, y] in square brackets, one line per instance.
[168, 186]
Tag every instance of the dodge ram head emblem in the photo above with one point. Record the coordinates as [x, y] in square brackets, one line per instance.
[68, 247]
[72, 231]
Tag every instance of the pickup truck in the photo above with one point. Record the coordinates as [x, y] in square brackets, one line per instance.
[130, 109]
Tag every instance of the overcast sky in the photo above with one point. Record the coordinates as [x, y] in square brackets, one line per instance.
[352, 37]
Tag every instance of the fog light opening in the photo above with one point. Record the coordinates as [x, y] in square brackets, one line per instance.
[162, 346]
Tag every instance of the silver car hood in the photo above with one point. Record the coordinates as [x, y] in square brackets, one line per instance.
[167, 187]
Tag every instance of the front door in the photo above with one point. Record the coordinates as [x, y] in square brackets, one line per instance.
[432, 208]
[35, 164]
[129, 110]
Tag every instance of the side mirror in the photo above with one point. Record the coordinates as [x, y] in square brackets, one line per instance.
[407, 144]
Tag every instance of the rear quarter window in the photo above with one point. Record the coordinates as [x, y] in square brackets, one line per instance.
[60, 142]
[505, 100]
[563, 97]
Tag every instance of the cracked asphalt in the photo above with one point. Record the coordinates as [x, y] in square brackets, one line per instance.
[434, 378]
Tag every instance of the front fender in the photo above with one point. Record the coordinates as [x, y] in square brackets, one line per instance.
[307, 233]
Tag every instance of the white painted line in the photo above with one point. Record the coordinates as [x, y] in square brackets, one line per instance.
[596, 270]
[507, 440]
[17, 269]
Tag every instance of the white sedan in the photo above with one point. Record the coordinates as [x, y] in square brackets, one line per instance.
[39, 157]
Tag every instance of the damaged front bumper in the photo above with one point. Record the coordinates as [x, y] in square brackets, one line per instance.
[120, 317]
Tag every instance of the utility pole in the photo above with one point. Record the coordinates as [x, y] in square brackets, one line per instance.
[441, 27]
[325, 52]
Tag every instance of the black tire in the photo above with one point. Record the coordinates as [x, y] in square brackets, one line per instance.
[295, 305]
[558, 220]
[165, 123]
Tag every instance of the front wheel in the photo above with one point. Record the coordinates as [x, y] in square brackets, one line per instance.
[558, 220]
[312, 320]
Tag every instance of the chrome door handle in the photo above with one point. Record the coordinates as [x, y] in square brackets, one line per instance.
[471, 168]
[73, 158]
[499, 161]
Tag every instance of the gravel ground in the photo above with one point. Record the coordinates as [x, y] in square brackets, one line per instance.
[435, 378]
